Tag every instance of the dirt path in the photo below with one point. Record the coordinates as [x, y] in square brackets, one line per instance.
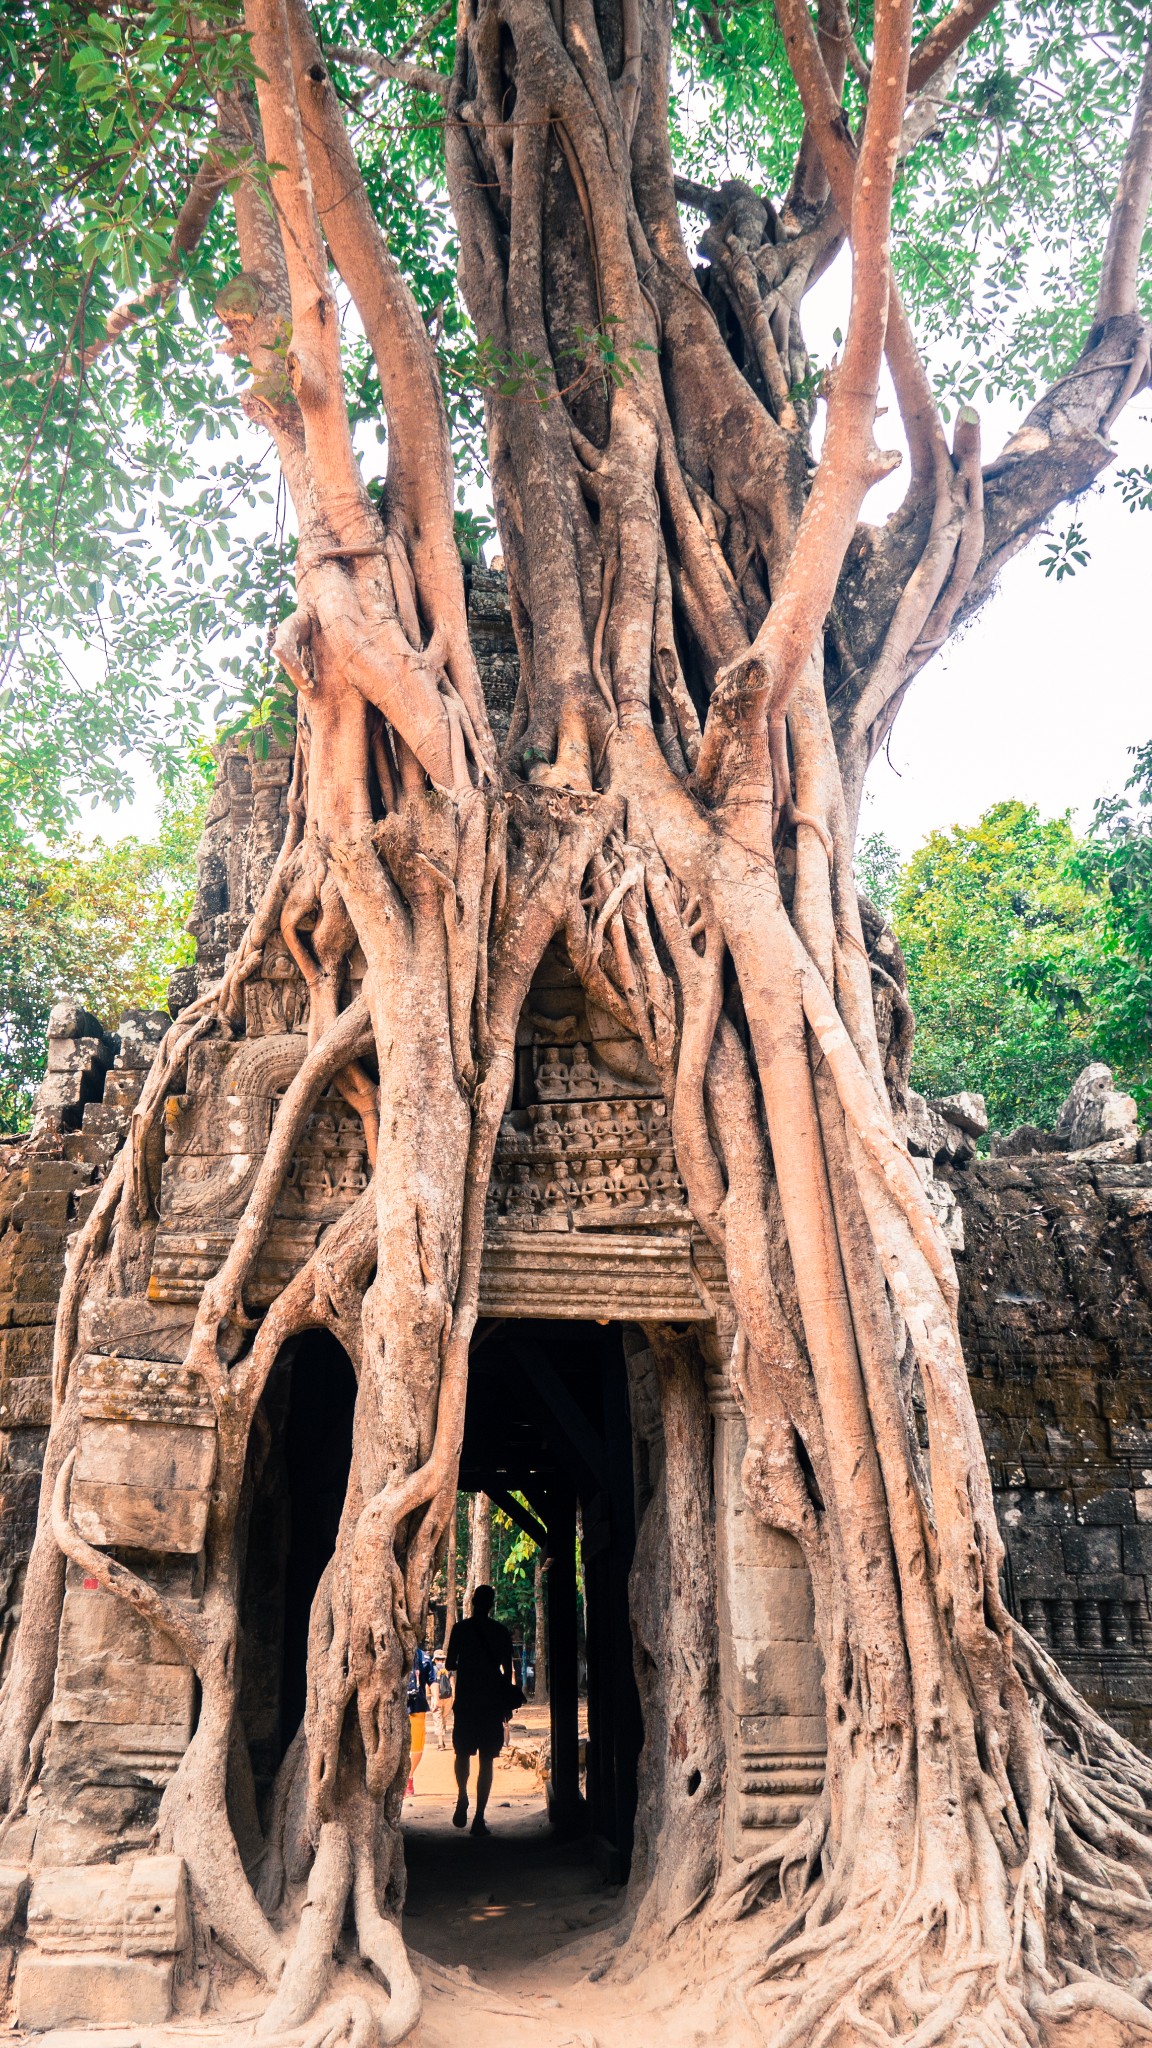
[510, 1935]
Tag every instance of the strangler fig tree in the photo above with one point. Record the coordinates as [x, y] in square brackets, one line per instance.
[713, 645]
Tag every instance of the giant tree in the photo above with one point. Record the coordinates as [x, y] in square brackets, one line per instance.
[712, 648]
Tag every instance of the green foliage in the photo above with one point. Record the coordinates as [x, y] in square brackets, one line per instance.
[1029, 953]
[877, 869]
[514, 1575]
[1065, 552]
[1116, 859]
[513, 1568]
[101, 923]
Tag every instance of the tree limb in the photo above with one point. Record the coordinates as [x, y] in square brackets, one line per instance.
[421, 77]
[947, 37]
[191, 222]
[1120, 268]
[850, 462]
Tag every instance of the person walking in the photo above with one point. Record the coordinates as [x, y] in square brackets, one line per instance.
[440, 1707]
[420, 1678]
[481, 1656]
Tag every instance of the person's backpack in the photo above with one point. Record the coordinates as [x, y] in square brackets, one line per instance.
[444, 1685]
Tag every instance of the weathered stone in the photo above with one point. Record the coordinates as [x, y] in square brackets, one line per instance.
[965, 1110]
[1025, 1140]
[143, 1485]
[138, 1908]
[13, 1897]
[943, 1204]
[52, 1990]
[933, 1136]
[1095, 1114]
[67, 1019]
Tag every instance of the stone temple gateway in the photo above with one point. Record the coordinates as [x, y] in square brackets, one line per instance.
[594, 1273]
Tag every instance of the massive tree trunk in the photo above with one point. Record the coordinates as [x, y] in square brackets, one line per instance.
[711, 652]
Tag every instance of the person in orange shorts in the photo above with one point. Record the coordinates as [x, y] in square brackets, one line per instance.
[420, 1680]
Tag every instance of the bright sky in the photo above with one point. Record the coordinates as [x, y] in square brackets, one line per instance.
[1042, 695]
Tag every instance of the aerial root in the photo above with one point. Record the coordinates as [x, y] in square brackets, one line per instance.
[799, 1850]
[1093, 1994]
[309, 1964]
[892, 1971]
[304, 2010]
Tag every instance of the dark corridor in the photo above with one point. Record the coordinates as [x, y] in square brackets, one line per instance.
[548, 1418]
[300, 1457]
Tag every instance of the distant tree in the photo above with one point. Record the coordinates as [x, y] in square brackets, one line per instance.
[1116, 857]
[1028, 954]
[877, 865]
[101, 922]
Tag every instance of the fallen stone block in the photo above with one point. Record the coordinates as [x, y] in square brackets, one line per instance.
[52, 1990]
[1095, 1113]
[965, 1110]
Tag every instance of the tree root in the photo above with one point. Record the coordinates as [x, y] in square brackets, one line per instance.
[304, 1981]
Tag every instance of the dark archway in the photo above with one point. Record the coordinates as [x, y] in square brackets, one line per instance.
[300, 1458]
[548, 1419]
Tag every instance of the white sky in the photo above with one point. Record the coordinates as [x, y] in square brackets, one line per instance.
[1039, 698]
[1043, 693]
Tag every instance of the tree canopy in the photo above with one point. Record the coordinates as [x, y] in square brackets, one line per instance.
[1028, 950]
[148, 547]
[102, 923]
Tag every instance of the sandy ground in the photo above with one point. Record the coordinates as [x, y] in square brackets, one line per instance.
[509, 1934]
[513, 1936]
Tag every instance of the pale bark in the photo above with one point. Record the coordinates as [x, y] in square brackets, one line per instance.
[479, 1547]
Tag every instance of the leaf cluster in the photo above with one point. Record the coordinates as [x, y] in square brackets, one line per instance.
[1029, 952]
[103, 924]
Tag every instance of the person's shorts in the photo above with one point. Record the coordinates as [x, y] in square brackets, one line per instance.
[416, 1739]
[482, 1735]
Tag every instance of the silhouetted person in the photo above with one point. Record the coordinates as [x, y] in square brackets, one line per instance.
[480, 1653]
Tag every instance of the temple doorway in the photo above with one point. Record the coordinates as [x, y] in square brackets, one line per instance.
[301, 1453]
[548, 1425]
[548, 1437]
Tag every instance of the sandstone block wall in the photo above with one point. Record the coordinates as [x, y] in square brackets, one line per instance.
[1056, 1316]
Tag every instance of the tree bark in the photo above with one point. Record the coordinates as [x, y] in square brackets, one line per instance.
[451, 1604]
[479, 1547]
[540, 1634]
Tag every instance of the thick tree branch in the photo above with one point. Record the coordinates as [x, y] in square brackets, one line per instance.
[420, 475]
[421, 77]
[850, 461]
[1120, 269]
[314, 361]
[945, 39]
[826, 123]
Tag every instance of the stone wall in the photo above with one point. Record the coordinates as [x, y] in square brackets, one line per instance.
[1056, 1316]
[1053, 1246]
